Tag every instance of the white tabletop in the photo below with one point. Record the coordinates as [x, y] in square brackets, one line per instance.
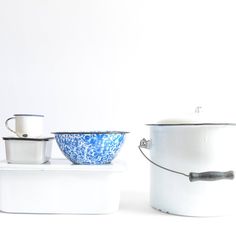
[135, 217]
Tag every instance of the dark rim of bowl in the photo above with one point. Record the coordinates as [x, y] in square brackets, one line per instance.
[29, 115]
[93, 132]
[28, 139]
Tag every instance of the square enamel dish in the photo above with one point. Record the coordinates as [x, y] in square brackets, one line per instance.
[60, 187]
[28, 150]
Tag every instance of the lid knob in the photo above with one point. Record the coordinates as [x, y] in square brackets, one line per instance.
[198, 109]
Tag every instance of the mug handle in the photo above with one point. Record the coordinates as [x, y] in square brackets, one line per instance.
[7, 126]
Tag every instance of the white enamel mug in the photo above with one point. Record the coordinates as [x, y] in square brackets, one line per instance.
[27, 125]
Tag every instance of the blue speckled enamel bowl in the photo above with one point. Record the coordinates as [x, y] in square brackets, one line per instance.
[90, 148]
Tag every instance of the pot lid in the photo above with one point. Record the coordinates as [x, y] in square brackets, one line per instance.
[198, 117]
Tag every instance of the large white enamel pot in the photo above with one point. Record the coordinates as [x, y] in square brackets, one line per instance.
[192, 168]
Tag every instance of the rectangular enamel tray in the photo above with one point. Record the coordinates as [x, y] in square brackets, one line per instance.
[60, 187]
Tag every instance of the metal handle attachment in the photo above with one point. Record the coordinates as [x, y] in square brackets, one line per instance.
[145, 144]
[192, 176]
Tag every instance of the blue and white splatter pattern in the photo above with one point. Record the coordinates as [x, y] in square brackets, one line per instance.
[90, 148]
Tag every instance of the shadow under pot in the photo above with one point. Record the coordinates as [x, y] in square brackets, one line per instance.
[192, 167]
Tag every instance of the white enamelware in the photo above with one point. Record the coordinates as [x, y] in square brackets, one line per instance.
[27, 125]
[60, 187]
[192, 167]
[28, 150]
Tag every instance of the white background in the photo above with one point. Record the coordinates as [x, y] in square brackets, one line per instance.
[116, 65]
